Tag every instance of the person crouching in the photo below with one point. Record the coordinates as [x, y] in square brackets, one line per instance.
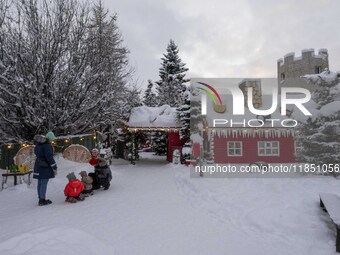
[73, 189]
[87, 182]
[102, 173]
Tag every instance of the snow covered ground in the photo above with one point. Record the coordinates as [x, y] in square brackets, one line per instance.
[155, 208]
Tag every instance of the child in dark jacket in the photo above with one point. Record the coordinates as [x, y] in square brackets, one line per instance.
[73, 189]
[102, 173]
[87, 182]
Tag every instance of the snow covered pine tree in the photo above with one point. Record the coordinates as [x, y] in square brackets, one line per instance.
[172, 72]
[183, 115]
[319, 136]
[150, 96]
[159, 142]
[169, 88]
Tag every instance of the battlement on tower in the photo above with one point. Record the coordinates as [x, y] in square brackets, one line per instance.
[290, 67]
[306, 55]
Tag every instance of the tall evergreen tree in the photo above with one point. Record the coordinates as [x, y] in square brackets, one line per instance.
[149, 96]
[170, 88]
[172, 77]
[319, 136]
[109, 60]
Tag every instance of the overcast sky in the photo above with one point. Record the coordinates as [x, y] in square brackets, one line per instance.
[224, 38]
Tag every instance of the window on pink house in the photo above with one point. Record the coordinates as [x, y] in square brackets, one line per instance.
[268, 148]
[235, 149]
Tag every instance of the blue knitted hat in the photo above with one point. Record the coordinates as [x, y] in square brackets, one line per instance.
[50, 136]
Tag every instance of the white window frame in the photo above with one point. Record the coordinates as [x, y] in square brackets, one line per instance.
[268, 147]
[234, 148]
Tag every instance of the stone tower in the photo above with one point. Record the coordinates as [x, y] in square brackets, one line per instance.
[290, 67]
[257, 92]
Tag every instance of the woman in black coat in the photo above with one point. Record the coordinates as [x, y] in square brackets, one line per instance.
[45, 166]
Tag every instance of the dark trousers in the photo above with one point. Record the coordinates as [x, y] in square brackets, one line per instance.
[104, 182]
[98, 182]
[95, 183]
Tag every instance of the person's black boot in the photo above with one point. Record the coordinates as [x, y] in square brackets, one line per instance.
[43, 202]
[48, 201]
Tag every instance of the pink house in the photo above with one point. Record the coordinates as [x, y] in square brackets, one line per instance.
[249, 138]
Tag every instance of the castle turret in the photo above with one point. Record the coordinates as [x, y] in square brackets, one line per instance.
[290, 67]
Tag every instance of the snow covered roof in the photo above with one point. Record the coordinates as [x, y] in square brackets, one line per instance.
[153, 117]
[326, 77]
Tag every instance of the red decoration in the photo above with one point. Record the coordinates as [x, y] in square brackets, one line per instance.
[93, 161]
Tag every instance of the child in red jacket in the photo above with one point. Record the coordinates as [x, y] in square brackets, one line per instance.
[73, 189]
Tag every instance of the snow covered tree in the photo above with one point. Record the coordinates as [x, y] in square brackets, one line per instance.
[109, 60]
[4, 6]
[319, 136]
[38, 82]
[4, 59]
[133, 98]
[172, 73]
[55, 73]
[196, 118]
[183, 114]
[150, 96]
[169, 88]
[159, 142]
